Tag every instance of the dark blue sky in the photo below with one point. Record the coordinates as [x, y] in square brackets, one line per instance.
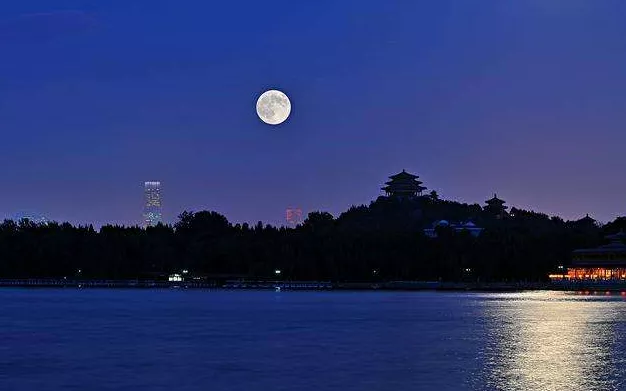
[526, 98]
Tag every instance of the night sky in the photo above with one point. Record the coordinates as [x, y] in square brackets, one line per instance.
[525, 98]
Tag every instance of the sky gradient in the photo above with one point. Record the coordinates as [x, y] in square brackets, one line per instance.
[523, 98]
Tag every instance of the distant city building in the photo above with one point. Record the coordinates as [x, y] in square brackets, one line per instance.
[152, 208]
[293, 216]
[403, 185]
[32, 217]
[496, 207]
[466, 226]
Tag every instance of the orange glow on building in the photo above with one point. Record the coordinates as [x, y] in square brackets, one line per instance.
[604, 263]
[591, 273]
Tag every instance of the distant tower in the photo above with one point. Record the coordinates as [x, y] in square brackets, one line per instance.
[496, 207]
[152, 207]
[293, 216]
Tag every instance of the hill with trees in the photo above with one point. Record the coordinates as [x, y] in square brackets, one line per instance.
[382, 241]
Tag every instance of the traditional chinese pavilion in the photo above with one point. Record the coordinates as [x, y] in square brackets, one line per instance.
[403, 185]
[587, 220]
[496, 206]
[607, 262]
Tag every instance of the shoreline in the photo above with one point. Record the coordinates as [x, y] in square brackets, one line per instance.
[317, 285]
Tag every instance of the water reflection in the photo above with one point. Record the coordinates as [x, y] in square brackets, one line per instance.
[553, 341]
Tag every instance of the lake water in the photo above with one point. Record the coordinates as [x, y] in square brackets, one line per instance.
[68, 339]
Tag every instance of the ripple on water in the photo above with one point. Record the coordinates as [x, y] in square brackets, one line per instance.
[197, 340]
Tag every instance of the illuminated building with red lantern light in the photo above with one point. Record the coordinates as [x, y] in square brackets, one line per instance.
[603, 264]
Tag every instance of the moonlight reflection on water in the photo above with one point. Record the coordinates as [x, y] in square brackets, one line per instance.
[553, 341]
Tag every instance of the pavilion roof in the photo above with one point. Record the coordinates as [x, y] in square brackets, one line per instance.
[615, 247]
[403, 181]
[614, 262]
[403, 188]
[607, 249]
[621, 235]
[404, 175]
[495, 200]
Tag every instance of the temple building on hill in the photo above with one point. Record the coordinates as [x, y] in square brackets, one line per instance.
[587, 221]
[496, 207]
[607, 262]
[403, 185]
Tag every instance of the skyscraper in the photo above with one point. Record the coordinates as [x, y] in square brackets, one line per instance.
[152, 208]
[293, 216]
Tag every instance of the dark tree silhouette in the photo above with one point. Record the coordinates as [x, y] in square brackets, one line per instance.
[381, 241]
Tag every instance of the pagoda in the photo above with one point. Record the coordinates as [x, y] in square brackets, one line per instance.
[403, 185]
[587, 220]
[496, 207]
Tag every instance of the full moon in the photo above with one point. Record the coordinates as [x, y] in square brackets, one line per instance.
[273, 107]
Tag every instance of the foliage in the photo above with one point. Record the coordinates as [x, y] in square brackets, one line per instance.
[381, 241]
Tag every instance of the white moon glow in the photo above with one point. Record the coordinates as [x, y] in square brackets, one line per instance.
[273, 107]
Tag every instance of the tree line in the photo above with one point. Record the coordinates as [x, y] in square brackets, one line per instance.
[381, 241]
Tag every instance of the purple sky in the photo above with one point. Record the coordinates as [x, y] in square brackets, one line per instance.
[525, 98]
